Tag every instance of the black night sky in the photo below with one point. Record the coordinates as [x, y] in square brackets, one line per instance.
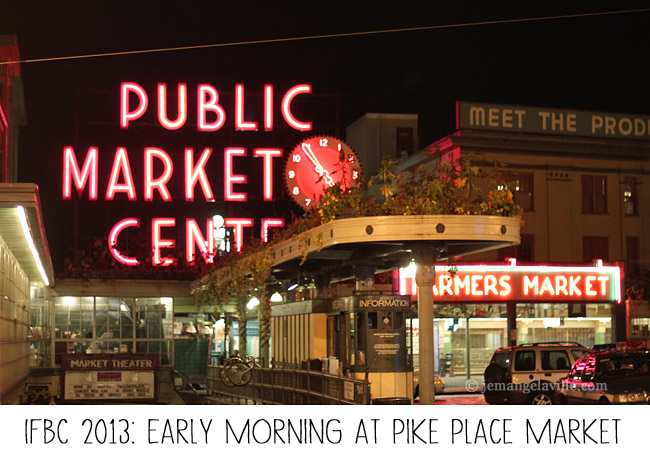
[591, 63]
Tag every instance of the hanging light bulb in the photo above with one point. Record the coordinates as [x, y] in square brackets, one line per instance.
[276, 298]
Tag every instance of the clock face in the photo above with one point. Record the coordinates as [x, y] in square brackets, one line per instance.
[317, 163]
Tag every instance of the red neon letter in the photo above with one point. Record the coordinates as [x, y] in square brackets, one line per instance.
[159, 243]
[270, 223]
[286, 107]
[268, 155]
[125, 114]
[112, 241]
[240, 124]
[531, 285]
[589, 290]
[194, 173]
[162, 107]
[229, 178]
[603, 284]
[121, 165]
[88, 174]
[504, 282]
[194, 237]
[268, 107]
[161, 182]
[208, 101]
[238, 224]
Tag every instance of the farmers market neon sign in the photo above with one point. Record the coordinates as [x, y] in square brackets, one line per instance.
[82, 174]
[501, 283]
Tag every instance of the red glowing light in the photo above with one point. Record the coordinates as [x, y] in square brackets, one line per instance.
[112, 241]
[87, 175]
[239, 224]
[122, 166]
[143, 102]
[158, 243]
[522, 283]
[268, 107]
[230, 178]
[240, 124]
[161, 182]
[286, 107]
[194, 238]
[208, 100]
[270, 223]
[268, 154]
[162, 107]
[194, 173]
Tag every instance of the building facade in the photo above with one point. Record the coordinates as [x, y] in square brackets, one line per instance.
[582, 179]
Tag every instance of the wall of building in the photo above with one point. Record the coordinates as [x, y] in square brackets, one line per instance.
[376, 136]
[557, 220]
[14, 328]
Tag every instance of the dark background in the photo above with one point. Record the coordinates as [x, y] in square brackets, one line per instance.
[592, 63]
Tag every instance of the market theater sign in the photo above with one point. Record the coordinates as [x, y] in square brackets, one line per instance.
[503, 283]
[211, 117]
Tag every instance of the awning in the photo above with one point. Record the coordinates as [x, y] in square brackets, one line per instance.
[34, 260]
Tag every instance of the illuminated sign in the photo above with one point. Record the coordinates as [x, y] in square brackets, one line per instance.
[81, 174]
[507, 283]
[538, 120]
[109, 376]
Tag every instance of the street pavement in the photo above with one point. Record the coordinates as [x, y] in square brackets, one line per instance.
[464, 399]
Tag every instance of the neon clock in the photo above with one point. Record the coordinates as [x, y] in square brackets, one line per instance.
[317, 163]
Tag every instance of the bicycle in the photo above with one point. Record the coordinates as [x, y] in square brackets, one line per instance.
[238, 371]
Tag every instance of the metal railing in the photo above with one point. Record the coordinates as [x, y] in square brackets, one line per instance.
[284, 386]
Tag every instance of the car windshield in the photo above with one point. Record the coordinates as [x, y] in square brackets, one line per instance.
[623, 366]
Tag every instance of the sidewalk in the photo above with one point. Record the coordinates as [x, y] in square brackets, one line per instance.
[462, 385]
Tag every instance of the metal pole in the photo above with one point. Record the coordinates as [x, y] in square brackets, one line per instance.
[468, 346]
[425, 278]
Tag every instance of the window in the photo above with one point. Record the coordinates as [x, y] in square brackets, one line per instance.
[372, 321]
[594, 194]
[629, 196]
[594, 247]
[555, 360]
[99, 324]
[404, 137]
[521, 184]
[525, 251]
[525, 361]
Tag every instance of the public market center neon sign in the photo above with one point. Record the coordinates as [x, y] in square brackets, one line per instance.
[211, 117]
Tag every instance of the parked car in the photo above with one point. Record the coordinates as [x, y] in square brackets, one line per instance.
[526, 374]
[619, 345]
[438, 384]
[612, 377]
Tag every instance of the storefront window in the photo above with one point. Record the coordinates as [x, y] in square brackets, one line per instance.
[41, 326]
[111, 325]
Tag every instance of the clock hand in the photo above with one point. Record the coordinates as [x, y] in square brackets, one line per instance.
[306, 148]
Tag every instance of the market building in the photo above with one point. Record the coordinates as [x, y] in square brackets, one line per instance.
[582, 180]
[130, 337]
[25, 265]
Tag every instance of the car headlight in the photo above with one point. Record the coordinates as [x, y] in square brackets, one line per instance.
[629, 398]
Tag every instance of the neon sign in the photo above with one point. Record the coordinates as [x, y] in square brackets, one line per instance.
[158, 165]
[511, 283]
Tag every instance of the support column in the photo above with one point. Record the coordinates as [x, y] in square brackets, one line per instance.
[511, 313]
[425, 277]
[468, 352]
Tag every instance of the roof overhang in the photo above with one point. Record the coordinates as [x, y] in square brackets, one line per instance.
[13, 196]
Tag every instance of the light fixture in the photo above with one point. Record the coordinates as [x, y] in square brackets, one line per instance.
[292, 287]
[252, 303]
[22, 216]
[276, 298]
